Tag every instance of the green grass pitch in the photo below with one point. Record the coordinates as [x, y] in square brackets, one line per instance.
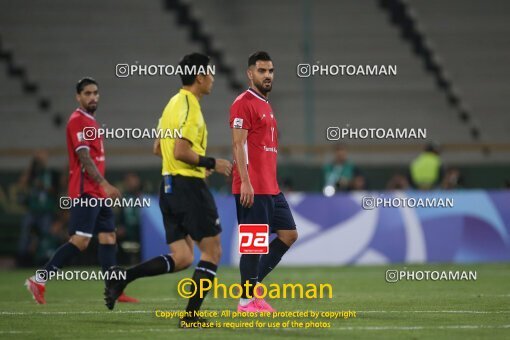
[412, 309]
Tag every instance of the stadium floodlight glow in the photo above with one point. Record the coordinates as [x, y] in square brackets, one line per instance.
[328, 190]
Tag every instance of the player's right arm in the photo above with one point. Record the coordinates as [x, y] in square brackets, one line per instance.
[91, 169]
[239, 137]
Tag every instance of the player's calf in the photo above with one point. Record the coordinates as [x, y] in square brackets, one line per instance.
[182, 262]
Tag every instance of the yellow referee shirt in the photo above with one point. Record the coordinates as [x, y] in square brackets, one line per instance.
[183, 113]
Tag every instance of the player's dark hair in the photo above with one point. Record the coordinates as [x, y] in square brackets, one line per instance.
[259, 55]
[190, 60]
[84, 82]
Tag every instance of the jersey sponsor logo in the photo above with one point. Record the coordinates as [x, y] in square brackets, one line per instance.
[253, 238]
[270, 149]
[238, 123]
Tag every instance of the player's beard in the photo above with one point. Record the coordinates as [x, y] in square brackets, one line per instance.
[91, 108]
[262, 89]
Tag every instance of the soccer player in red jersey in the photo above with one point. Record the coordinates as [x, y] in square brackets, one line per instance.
[254, 184]
[86, 181]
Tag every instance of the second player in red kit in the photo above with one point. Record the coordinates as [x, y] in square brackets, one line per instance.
[82, 123]
[86, 182]
[254, 185]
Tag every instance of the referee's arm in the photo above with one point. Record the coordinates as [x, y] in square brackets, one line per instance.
[156, 148]
[184, 153]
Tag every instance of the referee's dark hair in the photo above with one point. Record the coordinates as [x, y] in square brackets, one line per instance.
[259, 55]
[190, 60]
[84, 82]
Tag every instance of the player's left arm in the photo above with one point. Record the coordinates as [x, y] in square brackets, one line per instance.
[92, 170]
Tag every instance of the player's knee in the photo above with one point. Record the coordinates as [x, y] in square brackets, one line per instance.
[80, 242]
[289, 238]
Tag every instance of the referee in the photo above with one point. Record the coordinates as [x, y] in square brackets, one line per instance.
[188, 208]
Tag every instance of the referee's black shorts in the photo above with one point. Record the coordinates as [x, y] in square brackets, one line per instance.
[189, 210]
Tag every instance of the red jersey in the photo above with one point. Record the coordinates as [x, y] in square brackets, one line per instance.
[79, 181]
[252, 112]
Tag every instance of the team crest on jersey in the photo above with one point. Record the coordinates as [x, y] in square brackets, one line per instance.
[79, 135]
[238, 123]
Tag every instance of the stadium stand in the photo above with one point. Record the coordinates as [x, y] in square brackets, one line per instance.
[473, 41]
[412, 99]
[91, 38]
[57, 55]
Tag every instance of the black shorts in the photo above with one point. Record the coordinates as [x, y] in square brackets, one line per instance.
[189, 210]
[88, 221]
[267, 209]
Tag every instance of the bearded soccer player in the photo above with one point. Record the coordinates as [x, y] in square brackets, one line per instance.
[254, 185]
[189, 212]
[86, 181]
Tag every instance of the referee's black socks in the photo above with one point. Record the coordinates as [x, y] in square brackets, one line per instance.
[203, 270]
[156, 266]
